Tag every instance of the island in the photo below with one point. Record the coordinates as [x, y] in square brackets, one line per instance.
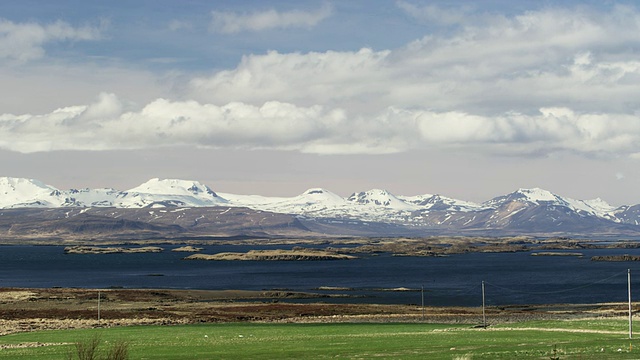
[110, 250]
[556, 253]
[188, 248]
[625, 257]
[274, 255]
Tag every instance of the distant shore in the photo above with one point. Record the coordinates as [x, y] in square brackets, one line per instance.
[347, 248]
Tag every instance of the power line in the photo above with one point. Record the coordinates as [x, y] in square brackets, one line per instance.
[464, 291]
[557, 291]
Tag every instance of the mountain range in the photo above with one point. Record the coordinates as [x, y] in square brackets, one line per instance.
[161, 207]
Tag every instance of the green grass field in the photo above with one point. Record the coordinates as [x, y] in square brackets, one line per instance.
[586, 339]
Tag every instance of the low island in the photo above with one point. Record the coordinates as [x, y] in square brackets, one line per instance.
[110, 250]
[273, 255]
[625, 257]
[187, 248]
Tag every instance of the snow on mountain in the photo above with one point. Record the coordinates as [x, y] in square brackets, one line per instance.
[599, 205]
[422, 200]
[596, 207]
[309, 197]
[173, 187]
[90, 197]
[170, 193]
[250, 201]
[315, 202]
[628, 214]
[312, 201]
[533, 196]
[523, 209]
[316, 197]
[377, 197]
[18, 192]
[537, 196]
[441, 203]
[373, 205]
[322, 202]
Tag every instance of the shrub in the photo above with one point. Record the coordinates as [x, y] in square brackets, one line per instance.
[119, 351]
[88, 350]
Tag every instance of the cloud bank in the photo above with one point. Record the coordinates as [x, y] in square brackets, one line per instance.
[106, 124]
[549, 58]
[553, 80]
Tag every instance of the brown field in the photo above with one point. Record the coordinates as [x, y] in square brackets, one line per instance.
[39, 309]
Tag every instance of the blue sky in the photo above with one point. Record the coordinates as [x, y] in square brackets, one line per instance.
[463, 98]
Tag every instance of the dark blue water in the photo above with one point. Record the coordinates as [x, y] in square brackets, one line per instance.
[510, 278]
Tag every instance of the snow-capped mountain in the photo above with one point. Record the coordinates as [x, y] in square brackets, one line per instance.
[442, 203]
[377, 197]
[538, 196]
[522, 211]
[313, 203]
[169, 193]
[372, 205]
[173, 187]
[538, 208]
[18, 192]
[23, 193]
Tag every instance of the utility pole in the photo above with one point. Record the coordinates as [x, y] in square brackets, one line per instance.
[484, 316]
[422, 292]
[630, 317]
[98, 306]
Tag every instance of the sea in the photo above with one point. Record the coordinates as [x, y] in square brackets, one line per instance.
[455, 280]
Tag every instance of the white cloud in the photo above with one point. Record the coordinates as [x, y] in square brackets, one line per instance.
[434, 14]
[106, 124]
[543, 82]
[546, 58]
[25, 41]
[230, 22]
[313, 78]
[176, 25]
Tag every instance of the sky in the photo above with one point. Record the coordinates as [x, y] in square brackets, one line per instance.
[467, 99]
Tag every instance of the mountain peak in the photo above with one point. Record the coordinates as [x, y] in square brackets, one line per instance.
[22, 182]
[173, 187]
[379, 197]
[26, 192]
[321, 195]
[316, 191]
[439, 202]
[536, 194]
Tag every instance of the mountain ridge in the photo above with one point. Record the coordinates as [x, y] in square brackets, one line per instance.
[532, 210]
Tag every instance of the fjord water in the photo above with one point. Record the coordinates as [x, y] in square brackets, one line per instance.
[510, 278]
